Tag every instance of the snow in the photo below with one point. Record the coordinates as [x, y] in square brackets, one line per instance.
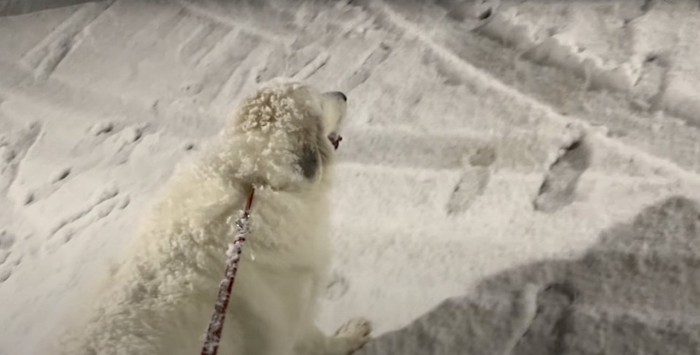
[457, 117]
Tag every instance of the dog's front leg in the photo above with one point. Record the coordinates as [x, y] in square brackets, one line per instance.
[350, 337]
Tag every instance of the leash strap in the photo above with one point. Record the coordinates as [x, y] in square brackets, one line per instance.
[233, 256]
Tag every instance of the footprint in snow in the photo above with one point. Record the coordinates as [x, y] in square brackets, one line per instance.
[552, 322]
[473, 181]
[56, 180]
[471, 14]
[559, 186]
[337, 287]
[7, 240]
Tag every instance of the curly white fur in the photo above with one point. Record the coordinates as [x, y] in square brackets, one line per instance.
[160, 299]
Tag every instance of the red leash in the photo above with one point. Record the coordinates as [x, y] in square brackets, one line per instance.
[216, 324]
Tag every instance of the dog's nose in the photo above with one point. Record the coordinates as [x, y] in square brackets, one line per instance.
[341, 95]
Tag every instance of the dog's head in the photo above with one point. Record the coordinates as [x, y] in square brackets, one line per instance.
[285, 134]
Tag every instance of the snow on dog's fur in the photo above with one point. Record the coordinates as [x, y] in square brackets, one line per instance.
[160, 299]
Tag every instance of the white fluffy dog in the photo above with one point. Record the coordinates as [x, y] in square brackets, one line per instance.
[160, 299]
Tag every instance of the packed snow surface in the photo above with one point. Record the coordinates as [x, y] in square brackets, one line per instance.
[515, 178]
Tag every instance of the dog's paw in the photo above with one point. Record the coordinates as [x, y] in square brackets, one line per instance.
[356, 331]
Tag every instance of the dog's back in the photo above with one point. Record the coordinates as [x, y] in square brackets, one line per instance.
[160, 300]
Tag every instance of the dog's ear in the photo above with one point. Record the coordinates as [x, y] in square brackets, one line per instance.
[309, 161]
[310, 145]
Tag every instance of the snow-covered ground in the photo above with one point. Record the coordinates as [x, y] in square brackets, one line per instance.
[534, 162]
